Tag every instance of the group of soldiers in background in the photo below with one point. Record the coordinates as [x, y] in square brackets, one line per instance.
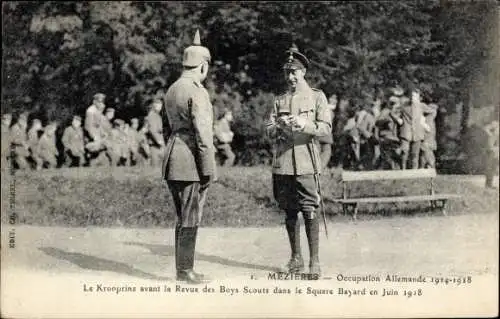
[394, 133]
[102, 141]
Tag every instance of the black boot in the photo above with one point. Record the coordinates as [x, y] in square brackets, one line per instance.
[186, 243]
[296, 263]
[312, 232]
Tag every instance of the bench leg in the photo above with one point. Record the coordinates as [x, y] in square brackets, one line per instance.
[354, 211]
[441, 204]
[433, 204]
[443, 207]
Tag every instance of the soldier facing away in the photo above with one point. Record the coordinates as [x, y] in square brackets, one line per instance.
[412, 131]
[298, 116]
[189, 162]
[73, 142]
[94, 121]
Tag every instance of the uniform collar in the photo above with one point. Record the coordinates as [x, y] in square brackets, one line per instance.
[193, 78]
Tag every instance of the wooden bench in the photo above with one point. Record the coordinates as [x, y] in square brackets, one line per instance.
[351, 204]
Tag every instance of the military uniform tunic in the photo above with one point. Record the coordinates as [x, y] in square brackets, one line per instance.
[190, 114]
[292, 155]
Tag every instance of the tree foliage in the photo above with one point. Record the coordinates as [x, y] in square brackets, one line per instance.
[58, 54]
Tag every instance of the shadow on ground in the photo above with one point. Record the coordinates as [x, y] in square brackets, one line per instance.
[99, 264]
[168, 250]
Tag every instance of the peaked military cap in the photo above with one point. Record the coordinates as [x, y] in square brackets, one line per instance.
[77, 117]
[134, 120]
[99, 97]
[110, 109]
[295, 59]
[195, 54]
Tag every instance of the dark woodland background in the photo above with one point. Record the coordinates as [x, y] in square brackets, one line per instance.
[56, 55]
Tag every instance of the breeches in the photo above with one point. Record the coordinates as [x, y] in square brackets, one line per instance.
[296, 193]
[189, 199]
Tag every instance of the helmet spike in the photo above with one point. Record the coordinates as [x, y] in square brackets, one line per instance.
[196, 40]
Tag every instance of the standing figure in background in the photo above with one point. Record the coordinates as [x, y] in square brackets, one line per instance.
[349, 141]
[94, 121]
[365, 122]
[6, 122]
[376, 110]
[388, 124]
[298, 117]
[155, 125]
[412, 131]
[224, 137]
[429, 144]
[74, 144]
[47, 149]
[19, 141]
[326, 142]
[189, 163]
[33, 138]
[492, 150]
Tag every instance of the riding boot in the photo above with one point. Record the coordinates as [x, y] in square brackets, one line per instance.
[312, 232]
[185, 256]
[296, 263]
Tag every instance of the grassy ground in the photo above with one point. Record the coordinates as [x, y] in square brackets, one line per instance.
[136, 197]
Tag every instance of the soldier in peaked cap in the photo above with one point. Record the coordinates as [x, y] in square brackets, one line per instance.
[189, 162]
[298, 118]
[73, 142]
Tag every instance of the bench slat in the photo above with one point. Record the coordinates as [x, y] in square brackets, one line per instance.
[352, 176]
[394, 199]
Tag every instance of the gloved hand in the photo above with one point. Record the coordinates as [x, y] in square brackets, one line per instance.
[298, 123]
